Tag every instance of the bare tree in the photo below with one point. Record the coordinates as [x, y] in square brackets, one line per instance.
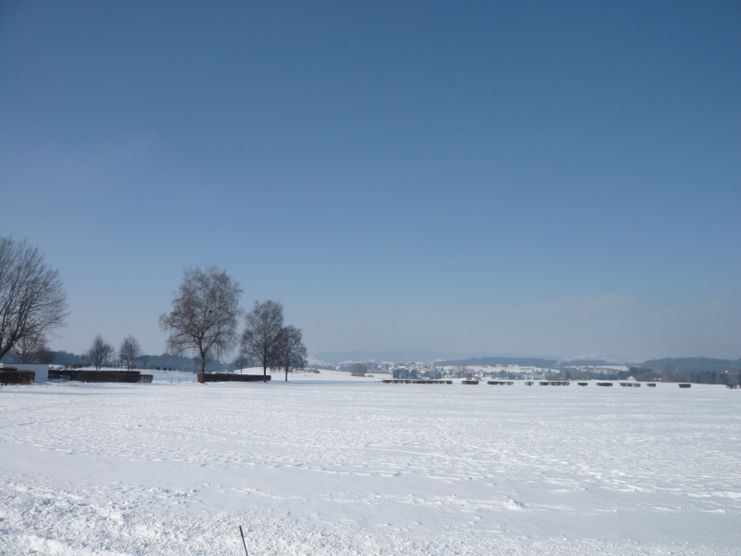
[204, 314]
[259, 339]
[290, 351]
[100, 352]
[358, 369]
[28, 347]
[242, 361]
[32, 299]
[45, 356]
[129, 351]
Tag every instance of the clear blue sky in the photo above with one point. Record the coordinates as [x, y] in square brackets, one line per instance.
[532, 178]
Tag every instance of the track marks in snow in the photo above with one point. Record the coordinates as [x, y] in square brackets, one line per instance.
[367, 469]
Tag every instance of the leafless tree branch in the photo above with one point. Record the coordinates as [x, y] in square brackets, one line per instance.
[32, 299]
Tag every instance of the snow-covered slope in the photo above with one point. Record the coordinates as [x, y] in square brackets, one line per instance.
[332, 464]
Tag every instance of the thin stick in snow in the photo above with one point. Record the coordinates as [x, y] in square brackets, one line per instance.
[243, 541]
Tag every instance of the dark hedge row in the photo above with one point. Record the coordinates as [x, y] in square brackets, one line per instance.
[14, 376]
[230, 377]
[97, 376]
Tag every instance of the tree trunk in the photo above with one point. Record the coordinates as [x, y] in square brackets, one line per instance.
[286, 374]
[201, 377]
[5, 349]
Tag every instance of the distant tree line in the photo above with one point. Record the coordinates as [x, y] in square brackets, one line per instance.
[670, 374]
[667, 374]
[165, 361]
[693, 364]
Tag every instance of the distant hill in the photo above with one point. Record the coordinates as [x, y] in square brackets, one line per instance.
[586, 363]
[439, 357]
[492, 360]
[693, 364]
[396, 356]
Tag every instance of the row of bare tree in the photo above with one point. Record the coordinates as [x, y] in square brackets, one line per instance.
[204, 316]
[100, 352]
[204, 319]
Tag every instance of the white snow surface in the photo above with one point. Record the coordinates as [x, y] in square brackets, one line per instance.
[333, 464]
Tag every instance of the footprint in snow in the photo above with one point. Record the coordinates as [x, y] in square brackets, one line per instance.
[515, 505]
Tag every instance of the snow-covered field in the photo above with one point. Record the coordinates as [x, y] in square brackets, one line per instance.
[329, 464]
